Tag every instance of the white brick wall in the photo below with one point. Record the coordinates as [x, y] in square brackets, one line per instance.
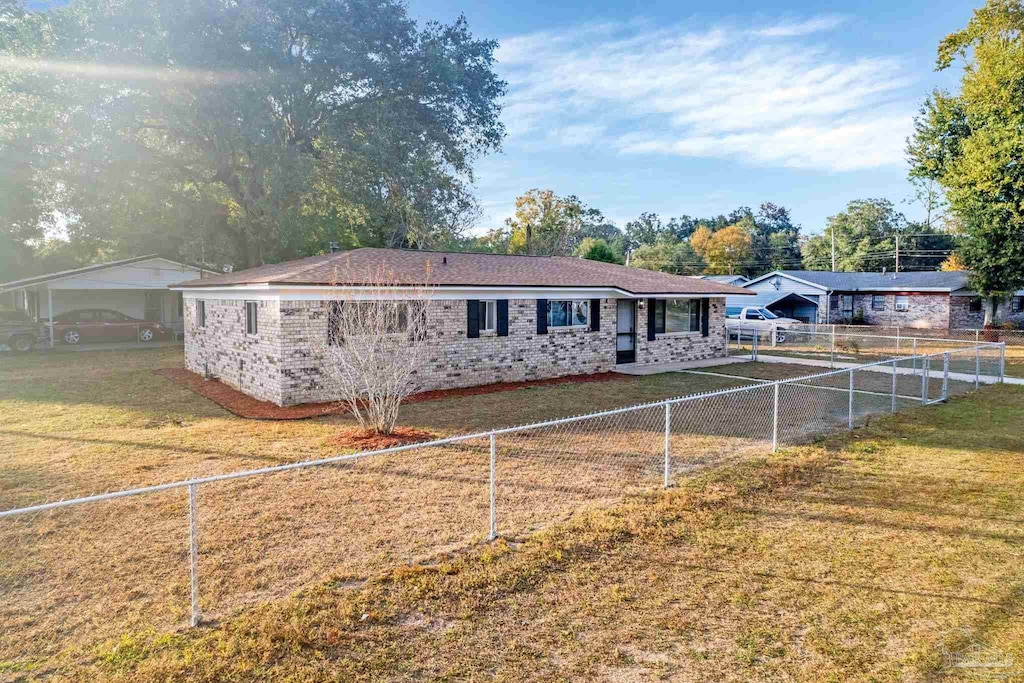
[278, 364]
[222, 349]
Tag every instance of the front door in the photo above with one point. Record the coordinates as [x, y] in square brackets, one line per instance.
[625, 331]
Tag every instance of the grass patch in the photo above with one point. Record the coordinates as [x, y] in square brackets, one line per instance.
[851, 559]
[859, 558]
[77, 424]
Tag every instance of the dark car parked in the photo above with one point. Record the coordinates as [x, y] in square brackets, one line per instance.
[18, 332]
[101, 324]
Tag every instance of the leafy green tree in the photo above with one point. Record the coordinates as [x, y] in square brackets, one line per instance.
[972, 143]
[775, 240]
[545, 224]
[668, 256]
[254, 129]
[865, 238]
[645, 229]
[595, 249]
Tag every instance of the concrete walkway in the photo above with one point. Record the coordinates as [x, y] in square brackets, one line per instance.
[657, 368]
[887, 369]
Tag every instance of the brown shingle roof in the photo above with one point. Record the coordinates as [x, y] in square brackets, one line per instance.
[448, 269]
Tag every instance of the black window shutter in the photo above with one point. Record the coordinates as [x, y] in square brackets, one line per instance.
[705, 316]
[502, 317]
[473, 318]
[542, 316]
[595, 315]
[652, 312]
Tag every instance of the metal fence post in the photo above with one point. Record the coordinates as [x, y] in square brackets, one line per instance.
[832, 351]
[775, 420]
[775, 334]
[668, 432]
[894, 386]
[1002, 362]
[851, 399]
[924, 379]
[193, 554]
[977, 367]
[756, 336]
[494, 510]
[914, 354]
[945, 376]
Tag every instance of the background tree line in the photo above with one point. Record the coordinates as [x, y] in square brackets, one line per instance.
[742, 242]
[545, 224]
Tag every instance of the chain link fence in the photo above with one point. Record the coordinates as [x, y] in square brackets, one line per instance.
[841, 348]
[1011, 337]
[84, 571]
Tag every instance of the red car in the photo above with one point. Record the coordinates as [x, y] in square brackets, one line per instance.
[101, 324]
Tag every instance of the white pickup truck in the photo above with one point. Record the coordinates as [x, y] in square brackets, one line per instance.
[757, 318]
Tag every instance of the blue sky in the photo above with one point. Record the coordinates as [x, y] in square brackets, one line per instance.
[687, 108]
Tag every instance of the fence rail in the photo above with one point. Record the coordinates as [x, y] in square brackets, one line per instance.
[839, 347]
[1011, 337]
[515, 478]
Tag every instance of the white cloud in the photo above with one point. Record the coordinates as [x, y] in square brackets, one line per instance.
[758, 95]
[800, 28]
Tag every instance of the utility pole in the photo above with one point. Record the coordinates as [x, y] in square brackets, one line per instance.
[833, 231]
[897, 253]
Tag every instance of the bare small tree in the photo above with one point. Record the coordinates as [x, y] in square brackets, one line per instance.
[371, 348]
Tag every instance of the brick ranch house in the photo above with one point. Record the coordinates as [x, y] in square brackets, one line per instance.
[493, 318]
[937, 300]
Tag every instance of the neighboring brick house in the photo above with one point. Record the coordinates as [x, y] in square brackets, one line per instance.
[939, 299]
[493, 318]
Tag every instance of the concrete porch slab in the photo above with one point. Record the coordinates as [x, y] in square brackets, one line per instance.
[658, 368]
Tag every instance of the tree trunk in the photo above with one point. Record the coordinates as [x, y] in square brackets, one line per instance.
[995, 311]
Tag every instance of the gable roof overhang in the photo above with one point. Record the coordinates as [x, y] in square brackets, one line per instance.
[779, 273]
[57, 276]
[766, 299]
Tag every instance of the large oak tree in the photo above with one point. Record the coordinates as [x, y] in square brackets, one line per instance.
[253, 131]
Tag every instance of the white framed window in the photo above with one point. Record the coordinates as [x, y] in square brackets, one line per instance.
[679, 315]
[877, 302]
[251, 318]
[201, 313]
[488, 316]
[847, 304]
[568, 313]
[902, 303]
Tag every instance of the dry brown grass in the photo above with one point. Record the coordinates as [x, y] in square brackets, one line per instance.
[97, 422]
[77, 577]
[857, 559]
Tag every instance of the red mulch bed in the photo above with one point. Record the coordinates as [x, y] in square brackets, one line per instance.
[242, 405]
[365, 440]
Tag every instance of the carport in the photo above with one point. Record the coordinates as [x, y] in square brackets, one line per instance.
[784, 304]
[136, 287]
